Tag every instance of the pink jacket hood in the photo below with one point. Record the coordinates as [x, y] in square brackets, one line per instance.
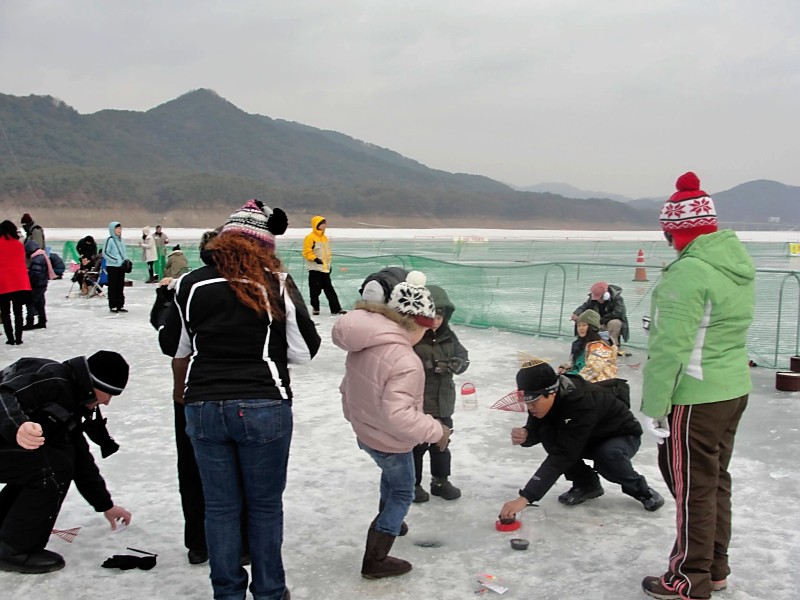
[384, 381]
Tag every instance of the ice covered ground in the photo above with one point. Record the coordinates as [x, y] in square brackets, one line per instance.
[601, 549]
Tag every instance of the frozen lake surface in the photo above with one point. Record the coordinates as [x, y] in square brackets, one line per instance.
[601, 549]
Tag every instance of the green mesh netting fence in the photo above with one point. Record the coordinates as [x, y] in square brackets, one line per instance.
[533, 286]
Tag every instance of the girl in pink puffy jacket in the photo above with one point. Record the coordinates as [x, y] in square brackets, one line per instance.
[382, 394]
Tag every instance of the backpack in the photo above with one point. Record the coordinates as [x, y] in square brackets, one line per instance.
[618, 387]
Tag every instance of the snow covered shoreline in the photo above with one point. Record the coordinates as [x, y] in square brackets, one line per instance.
[132, 233]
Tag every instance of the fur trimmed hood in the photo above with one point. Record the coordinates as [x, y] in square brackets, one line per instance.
[406, 323]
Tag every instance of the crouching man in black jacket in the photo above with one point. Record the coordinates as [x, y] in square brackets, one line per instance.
[573, 420]
[46, 407]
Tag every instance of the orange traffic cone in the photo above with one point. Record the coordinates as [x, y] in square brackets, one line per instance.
[641, 273]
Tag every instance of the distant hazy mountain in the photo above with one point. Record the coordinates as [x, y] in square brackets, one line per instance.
[758, 202]
[754, 203]
[570, 191]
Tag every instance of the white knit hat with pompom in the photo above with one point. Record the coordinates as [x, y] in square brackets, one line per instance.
[412, 299]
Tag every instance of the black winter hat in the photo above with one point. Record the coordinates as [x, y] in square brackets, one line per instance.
[537, 380]
[109, 372]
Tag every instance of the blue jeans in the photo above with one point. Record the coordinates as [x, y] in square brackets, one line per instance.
[242, 450]
[397, 487]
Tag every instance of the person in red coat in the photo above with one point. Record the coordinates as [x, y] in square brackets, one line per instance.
[15, 286]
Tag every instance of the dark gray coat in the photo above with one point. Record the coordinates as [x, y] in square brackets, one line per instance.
[436, 349]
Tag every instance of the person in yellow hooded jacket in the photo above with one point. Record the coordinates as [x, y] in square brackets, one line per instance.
[317, 252]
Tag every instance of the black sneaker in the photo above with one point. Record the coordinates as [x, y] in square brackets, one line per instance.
[41, 561]
[341, 312]
[577, 495]
[122, 310]
[651, 501]
[316, 312]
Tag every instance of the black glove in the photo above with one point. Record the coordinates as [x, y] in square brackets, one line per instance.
[457, 365]
[95, 429]
[318, 261]
[126, 562]
[454, 365]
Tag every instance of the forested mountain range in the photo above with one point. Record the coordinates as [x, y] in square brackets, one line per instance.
[760, 204]
[199, 152]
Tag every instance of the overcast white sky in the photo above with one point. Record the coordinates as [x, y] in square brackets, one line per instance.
[616, 96]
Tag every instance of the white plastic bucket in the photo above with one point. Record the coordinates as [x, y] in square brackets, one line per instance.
[469, 396]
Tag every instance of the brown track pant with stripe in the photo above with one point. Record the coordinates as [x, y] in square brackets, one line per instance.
[694, 462]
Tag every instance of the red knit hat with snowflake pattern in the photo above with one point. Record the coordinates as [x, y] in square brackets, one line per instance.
[688, 213]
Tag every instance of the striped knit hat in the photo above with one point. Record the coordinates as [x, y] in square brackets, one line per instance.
[109, 372]
[688, 213]
[257, 221]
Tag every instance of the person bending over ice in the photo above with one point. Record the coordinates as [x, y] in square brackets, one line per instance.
[46, 407]
[574, 420]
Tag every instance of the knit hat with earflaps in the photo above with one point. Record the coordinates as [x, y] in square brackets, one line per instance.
[258, 221]
[412, 299]
[688, 213]
[109, 372]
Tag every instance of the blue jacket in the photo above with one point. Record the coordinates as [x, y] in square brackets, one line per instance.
[37, 266]
[114, 248]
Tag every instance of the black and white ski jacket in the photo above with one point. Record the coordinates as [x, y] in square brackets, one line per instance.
[235, 353]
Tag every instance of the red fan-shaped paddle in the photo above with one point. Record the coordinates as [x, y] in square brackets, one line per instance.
[68, 535]
[511, 402]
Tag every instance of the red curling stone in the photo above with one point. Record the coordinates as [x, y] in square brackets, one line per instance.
[509, 525]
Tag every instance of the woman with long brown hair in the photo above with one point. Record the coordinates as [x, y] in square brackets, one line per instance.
[242, 322]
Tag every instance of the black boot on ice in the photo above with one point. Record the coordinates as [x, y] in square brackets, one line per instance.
[651, 500]
[444, 489]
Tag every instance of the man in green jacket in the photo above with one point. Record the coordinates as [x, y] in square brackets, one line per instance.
[696, 384]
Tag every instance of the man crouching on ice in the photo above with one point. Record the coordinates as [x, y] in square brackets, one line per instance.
[573, 420]
[46, 408]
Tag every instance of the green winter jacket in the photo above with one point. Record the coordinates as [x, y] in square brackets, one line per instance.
[701, 310]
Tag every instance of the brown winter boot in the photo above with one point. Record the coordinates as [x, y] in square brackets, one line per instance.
[377, 564]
